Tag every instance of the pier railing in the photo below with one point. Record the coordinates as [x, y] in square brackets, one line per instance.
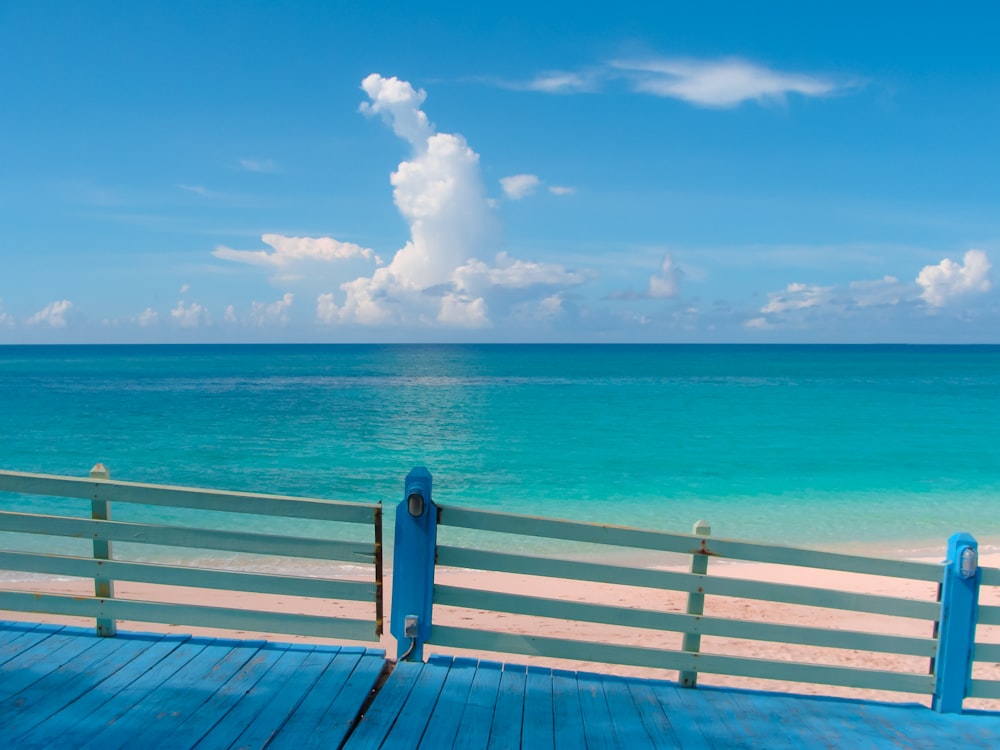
[933, 658]
[281, 557]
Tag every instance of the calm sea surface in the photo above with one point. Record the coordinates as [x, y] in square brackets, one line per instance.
[878, 447]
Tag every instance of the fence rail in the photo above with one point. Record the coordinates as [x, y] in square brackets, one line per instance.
[948, 610]
[106, 565]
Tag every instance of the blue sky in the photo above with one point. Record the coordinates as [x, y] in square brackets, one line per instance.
[263, 171]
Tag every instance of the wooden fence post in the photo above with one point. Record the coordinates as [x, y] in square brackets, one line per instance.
[104, 588]
[695, 605]
[415, 544]
[957, 631]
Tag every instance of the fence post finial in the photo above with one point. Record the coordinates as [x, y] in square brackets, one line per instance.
[957, 631]
[414, 544]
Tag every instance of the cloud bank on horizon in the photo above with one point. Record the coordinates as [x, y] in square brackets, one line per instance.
[456, 273]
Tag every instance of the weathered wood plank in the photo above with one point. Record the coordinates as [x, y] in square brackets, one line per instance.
[987, 652]
[173, 575]
[443, 723]
[17, 639]
[63, 685]
[477, 717]
[163, 708]
[598, 724]
[183, 536]
[621, 536]
[566, 711]
[679, 660]
[186, 497]
[329, 710]
[106, 713]
[418, 708]
[460, 557]
[626, 718]
[538, 729]
[190, 614]
[30, 666]
[377, 722]
[301, 679]
[984, 689]
[989, 614]
[652, 715]
[508, 716]
[202, 720]
[989, 577]
[456, 596]
[104, 691]
[255, 702]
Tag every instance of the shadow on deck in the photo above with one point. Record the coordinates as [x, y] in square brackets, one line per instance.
[66, 687]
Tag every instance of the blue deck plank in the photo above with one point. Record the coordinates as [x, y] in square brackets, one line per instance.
[406, 734]
[654, 719]
[477, 717]
[110, 700]
[566, 713]
[33, 664]
[338, 711]
[307, 716]
[61, 687]
[163, 707]
[537, 728]
[256, 700]
[443, 723]
[598, 725]
[625, 713]
[508, 718]
[271, 720]
[102, 689]
[200, 722]
[378, 721]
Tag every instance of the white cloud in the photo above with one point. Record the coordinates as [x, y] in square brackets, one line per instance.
[399, 105]
[561, 190]
[884, 291]
[258, 165]
[519, 186]
[275, 312]
[230, 314]
[476, 276]
[760, 324]
[719, 83]
[5, 318]
[189, 316]
[148, 317]
[288, 250]
[947, 281]
[53, 314]
[726, 82]
[463, 311]
[562, 82]
[542, 311]
[797, 297]
[185, 288]
[440, 193]
[667, 283]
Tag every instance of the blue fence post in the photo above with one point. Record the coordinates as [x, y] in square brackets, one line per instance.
[413, 566]
[957, 632]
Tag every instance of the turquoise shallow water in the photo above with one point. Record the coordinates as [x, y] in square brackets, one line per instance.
[877, 447]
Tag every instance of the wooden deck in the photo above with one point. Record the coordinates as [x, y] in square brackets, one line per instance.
[63, 687]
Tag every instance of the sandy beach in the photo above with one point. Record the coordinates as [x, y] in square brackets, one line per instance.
[621, 596]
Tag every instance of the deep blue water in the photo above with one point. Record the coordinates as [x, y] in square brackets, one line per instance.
[891, 446]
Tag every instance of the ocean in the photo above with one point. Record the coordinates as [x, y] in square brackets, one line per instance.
[876, 449]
